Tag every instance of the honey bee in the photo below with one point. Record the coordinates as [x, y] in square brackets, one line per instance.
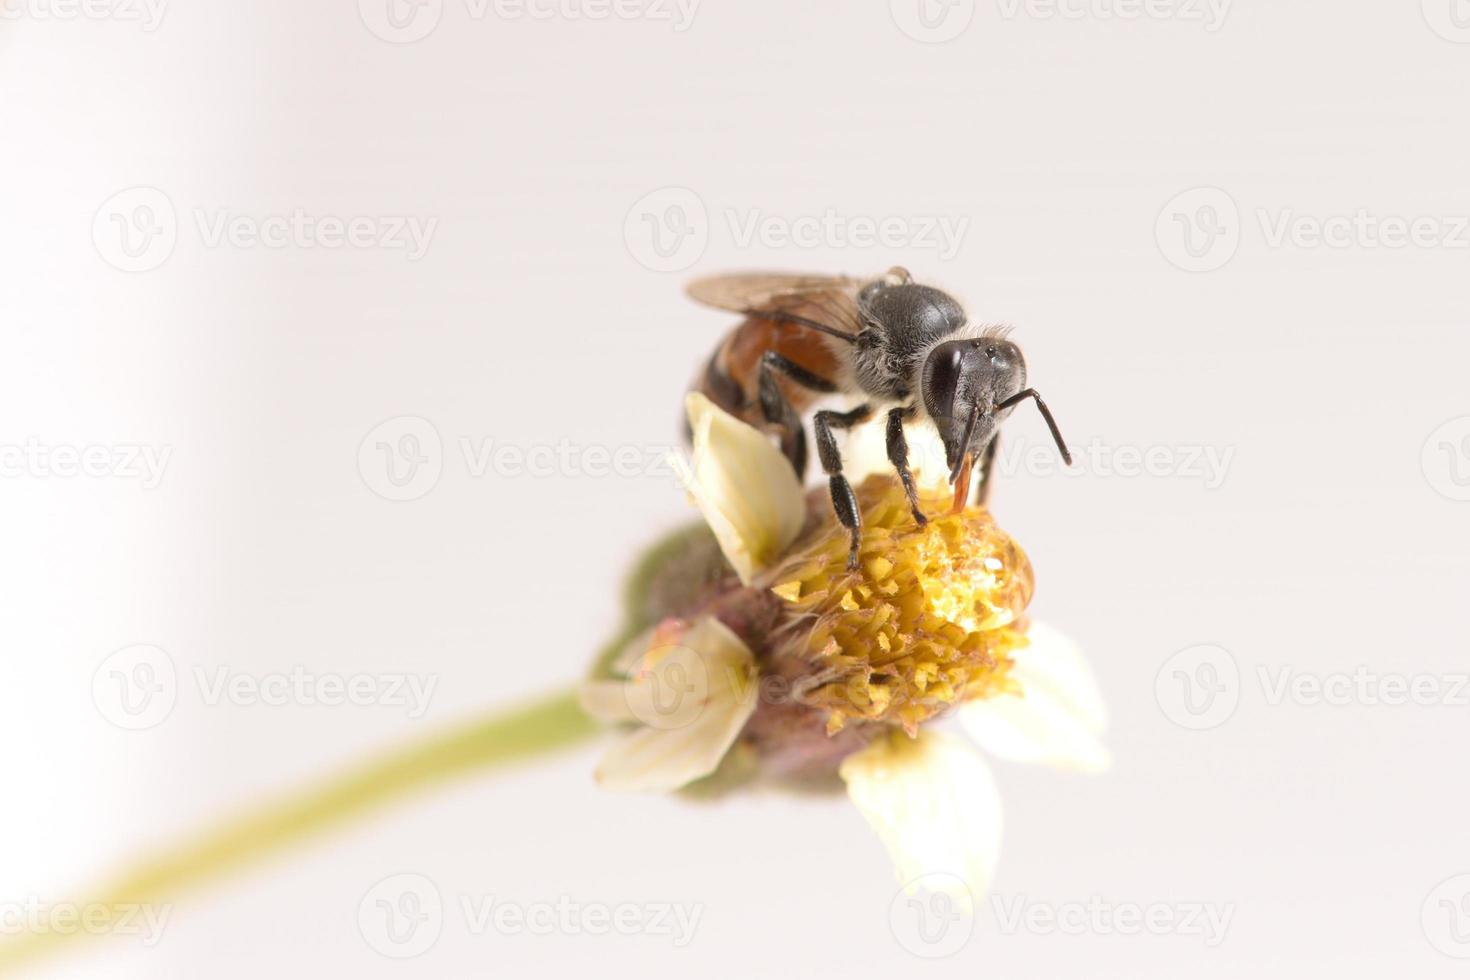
[904, 348]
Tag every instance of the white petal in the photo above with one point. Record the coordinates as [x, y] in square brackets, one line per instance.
[692, 701]
[605, 701]
[632, 651]
[743, 485]
[1059, 717]
[934, 805]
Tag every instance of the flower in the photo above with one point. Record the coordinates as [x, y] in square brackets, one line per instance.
[765, 658]
[675, 739]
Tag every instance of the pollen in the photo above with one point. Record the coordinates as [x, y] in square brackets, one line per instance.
[929, 620]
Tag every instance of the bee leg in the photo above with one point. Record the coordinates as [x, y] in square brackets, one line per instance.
[986, 466]
[898, 455]
[844, 501]
[777, 407]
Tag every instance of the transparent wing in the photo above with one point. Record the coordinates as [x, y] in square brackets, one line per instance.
[746, 291]
[831, 301]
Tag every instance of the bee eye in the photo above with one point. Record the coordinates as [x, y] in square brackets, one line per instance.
[990, 352]
[944, 378]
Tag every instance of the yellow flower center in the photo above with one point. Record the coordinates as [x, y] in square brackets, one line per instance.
[930, 620]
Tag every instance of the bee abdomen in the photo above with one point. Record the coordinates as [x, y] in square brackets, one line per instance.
[730, 378]
[720, 387]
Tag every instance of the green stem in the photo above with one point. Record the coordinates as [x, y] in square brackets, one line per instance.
[503, 738]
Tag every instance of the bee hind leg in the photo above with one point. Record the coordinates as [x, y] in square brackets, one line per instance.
[844, 501]
[777, 408]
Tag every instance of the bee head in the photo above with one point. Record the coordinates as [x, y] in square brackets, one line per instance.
[962, 382]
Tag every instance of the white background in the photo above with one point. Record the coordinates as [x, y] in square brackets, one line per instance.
[1333, 540]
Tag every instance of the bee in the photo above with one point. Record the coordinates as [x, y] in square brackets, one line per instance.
[904, 348]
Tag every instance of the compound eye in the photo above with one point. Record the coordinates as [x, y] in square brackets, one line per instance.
[945, 366]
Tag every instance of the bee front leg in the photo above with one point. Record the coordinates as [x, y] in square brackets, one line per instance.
[898, 455]
[776, 407]
[844, 501]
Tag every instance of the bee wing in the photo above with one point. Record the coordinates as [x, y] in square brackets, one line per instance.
[829, 300]
[742, 292]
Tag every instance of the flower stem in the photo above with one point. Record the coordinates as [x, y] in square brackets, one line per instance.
[502, 738]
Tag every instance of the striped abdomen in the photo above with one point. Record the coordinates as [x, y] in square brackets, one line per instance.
[731, 376]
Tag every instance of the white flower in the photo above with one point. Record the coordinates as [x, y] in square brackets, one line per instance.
[1059, 718]
[742, 484]
[934, 805]
[689, 699]
[931, 798]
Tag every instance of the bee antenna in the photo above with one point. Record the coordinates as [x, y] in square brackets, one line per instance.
[1051, 423]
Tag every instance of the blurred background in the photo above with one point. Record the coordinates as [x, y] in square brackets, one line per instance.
[345, 340]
